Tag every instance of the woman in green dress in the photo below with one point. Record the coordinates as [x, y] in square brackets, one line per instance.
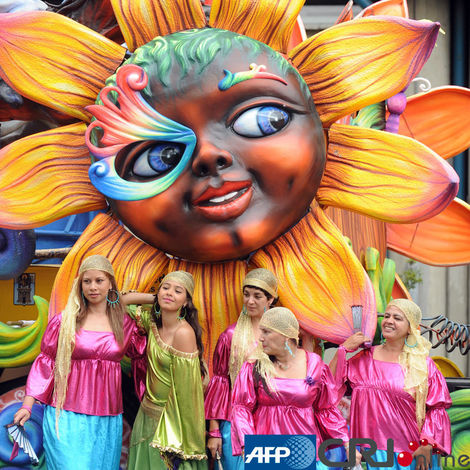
[169, 429]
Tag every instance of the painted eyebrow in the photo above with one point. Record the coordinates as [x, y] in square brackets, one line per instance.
[256, 71]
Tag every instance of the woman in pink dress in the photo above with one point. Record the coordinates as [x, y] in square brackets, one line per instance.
[238, 342]
[287, 390]
[77, 375]
[397, 391]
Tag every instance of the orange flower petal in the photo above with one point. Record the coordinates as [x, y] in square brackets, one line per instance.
[55, 61]
[31, 111]
[44, 177]
[320, 278]
[386, 7]
[217, 296]
[443, 240]
[136, 264]
[386, 176]
[143, 20]
[267, 21]
[364, 61]
[399, 290]
[439, 119]
[363, 231]
[347, 13]
[298, 35]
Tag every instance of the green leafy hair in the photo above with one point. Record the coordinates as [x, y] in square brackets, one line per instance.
[194, 49]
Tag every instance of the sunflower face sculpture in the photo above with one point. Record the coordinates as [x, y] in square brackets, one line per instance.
[217, 146]
[243, 150]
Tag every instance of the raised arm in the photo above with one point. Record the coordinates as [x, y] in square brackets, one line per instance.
[136, 298]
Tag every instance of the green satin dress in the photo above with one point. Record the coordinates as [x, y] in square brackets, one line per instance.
[169, 427]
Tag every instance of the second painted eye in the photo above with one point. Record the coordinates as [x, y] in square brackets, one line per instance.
[158, 159]
[261, 121]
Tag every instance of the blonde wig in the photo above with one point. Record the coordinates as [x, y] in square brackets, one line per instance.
[243, 341]
[282, 321]
[413, 357]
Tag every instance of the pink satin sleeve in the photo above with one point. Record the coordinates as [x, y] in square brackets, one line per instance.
[217, 401]
[40, 383]
[243, 404]
[136, 351]
[329, 420]
[436, 427]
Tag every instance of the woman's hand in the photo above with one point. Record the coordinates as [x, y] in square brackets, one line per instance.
[308, 341]
[358, 454]
[358, 458]
[354, 341]
[21, 416]
[423, 457]
[214, 444]
[24, 413]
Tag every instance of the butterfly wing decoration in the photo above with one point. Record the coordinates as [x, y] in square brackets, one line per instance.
[21, 441]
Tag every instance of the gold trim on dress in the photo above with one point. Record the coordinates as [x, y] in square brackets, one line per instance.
[177, 452]
[171, 349]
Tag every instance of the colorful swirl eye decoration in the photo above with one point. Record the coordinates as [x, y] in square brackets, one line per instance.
[133, 121]
[256, 71]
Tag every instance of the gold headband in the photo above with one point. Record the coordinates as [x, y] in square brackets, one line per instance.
[96, 262]
[263, 279]
[182, 277]
[411, 311]
[281, 320]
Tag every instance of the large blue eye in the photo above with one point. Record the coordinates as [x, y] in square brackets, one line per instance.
[261, 121]
[158, 159]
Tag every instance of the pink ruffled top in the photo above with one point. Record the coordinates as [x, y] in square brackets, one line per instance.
[299, 406]
[94, 384]
[381, 409]
[217, 402]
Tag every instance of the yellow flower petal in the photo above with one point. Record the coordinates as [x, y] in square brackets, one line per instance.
[364, 61]
[320, 278]
[55, 61]
[386, 176]
[439, 119]
[217, 296]
[136, 264]
[141, 21]
[44, 177]
[443, 240]
[268, 21]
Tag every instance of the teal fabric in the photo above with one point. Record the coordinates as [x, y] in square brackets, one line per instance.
[229, 461]
[381, 456]
[86, 442]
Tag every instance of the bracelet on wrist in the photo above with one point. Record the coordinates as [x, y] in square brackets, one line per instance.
[28, 408]
[215, 433]
[342, 346]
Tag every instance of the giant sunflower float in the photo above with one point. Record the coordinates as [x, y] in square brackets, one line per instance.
[216, 148]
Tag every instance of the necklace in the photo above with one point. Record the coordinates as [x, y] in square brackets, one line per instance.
[282, 366]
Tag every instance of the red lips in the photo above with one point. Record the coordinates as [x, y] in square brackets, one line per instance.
[230, 208]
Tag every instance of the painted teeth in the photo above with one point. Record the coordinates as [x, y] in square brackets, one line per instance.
[223, 198]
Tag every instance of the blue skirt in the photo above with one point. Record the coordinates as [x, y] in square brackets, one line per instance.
[85, 442]
[228, 460]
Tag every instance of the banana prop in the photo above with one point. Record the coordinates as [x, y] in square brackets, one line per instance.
[20, 346]
[382, 277]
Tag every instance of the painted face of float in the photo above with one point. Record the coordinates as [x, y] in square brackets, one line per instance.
[207, 145]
